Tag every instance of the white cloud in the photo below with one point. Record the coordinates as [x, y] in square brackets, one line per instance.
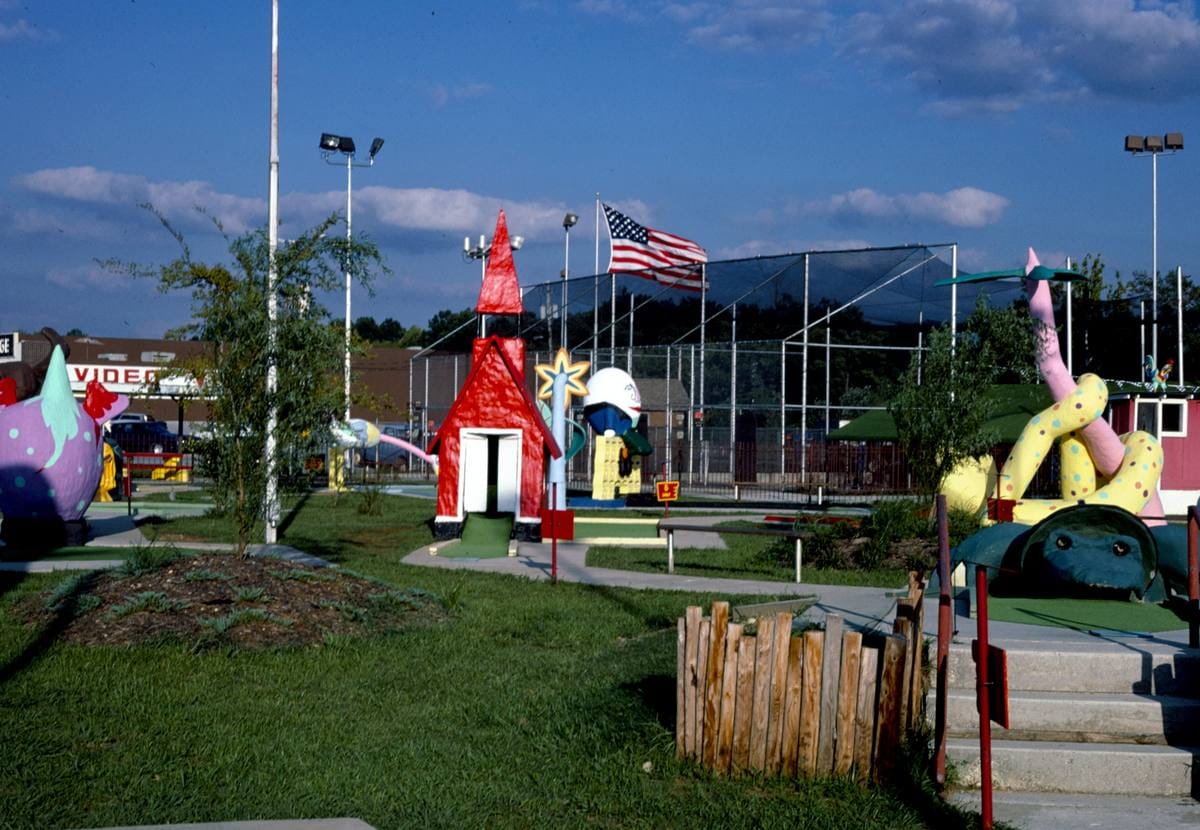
[749, 248]
[90, 277]
[433, 209]
[965, 56]
[443, 94]
[22, 29]
[964, 207]
[1001, 55]
[838, 245]
[628, 12]
[175, 200]
[80, 201]
[754, 24]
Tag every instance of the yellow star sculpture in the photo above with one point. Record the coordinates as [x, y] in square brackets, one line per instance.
[562, 365]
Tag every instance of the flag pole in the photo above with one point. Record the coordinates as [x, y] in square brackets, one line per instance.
[596, 286]
[612, 303]
[596, 290]
[703, 324]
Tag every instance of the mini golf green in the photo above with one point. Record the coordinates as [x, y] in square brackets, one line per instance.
[591, 529]
[1085, 614]
[483, 537]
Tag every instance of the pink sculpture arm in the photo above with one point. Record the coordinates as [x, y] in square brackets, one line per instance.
[410, 449]
[1102, 442]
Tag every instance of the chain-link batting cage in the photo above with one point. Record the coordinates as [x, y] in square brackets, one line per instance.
[743, 375]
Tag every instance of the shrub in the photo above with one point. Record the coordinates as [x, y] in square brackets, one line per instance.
[371, 502]
[147, 558]
[249, 594]
[153, 601]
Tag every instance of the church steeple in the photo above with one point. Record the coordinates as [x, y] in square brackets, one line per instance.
[501, 293]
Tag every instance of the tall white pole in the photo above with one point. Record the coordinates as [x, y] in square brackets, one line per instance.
[346, 266]
[733, 453]
[703, 341]
[562, 311]
[271, 496]
[953, 297]
[596, 302]
[1154, 258]
[629, 354]
[1070, 331]
[804, 386]
[1142, 332]
[828, 375]
[1179, 319]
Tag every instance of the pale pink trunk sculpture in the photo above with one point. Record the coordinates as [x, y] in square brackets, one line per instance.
[1101, 441]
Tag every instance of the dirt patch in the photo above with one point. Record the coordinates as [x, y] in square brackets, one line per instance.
[209, 600]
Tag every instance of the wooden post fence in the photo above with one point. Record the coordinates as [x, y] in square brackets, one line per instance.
[816, 703]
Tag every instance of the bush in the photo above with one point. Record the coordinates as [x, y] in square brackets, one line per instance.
[371, 503]
[144, 559]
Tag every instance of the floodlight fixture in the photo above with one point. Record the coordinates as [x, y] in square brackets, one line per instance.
[516, 242]
[1134, 144]
[570, 220]
[1173, 141]
[330, 142]
[376, 146]
[1154, 144]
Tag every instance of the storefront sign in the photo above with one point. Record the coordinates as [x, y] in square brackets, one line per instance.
[130, 379]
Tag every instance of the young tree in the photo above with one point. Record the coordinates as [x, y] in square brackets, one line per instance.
[942, 420]
[230, 316]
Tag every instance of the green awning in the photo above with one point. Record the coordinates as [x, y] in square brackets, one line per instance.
[1010, 408]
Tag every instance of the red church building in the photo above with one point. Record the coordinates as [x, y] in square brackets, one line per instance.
[492, 445]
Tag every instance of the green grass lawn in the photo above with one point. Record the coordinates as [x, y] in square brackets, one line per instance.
[77, 553]
[746, 557]
[535, 705]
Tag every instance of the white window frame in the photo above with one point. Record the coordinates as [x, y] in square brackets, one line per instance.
[1182, 403]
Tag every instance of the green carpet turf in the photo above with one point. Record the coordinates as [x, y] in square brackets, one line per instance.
[1085, 614]
[591, 530]
[484, 537]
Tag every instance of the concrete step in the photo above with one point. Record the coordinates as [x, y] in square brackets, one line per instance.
[1091, 718]
[1101, 768]
[1133, 667]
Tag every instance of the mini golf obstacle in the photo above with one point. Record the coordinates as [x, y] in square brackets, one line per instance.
[484, 536]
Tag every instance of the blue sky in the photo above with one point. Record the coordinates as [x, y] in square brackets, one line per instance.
[751, 126]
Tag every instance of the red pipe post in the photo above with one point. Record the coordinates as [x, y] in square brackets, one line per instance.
[982, 691]
[945, 630]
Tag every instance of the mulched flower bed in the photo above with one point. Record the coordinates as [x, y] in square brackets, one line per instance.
[213, 600]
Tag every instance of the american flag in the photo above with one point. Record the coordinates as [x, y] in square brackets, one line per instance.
[655, 255]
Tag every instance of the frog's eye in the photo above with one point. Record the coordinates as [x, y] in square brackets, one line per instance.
[1120, 548]
[1063, 542]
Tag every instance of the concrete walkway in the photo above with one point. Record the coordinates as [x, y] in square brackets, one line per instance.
[865, 608]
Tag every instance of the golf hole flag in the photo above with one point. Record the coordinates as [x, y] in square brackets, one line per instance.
[655, 255]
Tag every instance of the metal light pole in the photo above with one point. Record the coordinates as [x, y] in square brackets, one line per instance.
[331, 144]
[271, 495]
[1154, 144]
[569, 221]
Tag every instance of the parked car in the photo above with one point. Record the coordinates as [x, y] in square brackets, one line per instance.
[131, 417]
[143, 436]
